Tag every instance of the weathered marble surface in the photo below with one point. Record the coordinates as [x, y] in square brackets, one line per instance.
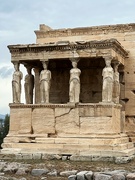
[29, 86]
[16, 83]
[45, 78]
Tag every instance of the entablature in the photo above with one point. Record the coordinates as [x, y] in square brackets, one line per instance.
[66, 49]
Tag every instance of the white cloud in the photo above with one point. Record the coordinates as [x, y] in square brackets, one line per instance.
[5, 94]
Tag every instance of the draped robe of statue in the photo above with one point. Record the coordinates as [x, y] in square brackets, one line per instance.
[74, 89]
[29, 86]
[16, 84]
[45, 78]
[108, 79]
[116, 87]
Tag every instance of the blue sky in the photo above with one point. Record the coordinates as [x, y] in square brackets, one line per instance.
[19, 19]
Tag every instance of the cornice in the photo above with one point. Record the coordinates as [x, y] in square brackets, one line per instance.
[49, 105]
[80, 31]
[100, 105]
[68, 105]
[68, 46]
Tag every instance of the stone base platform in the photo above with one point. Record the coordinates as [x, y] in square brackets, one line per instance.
[68, 129]
[115, 146]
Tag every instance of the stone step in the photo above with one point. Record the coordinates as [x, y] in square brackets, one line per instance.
[124, 153]
[90, 141]
[68, 148]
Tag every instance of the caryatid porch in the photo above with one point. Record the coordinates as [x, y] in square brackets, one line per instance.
[93, 124]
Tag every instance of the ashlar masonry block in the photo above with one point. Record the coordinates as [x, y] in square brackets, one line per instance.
[43, 121]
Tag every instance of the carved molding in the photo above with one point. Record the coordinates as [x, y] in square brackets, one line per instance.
[69, 105]
[12, 105]
[43, 51]
[95, 30]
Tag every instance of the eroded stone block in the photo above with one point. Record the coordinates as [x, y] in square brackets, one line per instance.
[68, 122]
[95, 124]
[43, 121]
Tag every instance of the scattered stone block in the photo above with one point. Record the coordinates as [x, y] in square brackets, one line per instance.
[68, 173]
[131, 176]
[81, 175]
[53, 173]
[43, 178]
[72, 177]
[99, 176]
[118, 177]
[39, 172]
[89, 175]
[21, 171]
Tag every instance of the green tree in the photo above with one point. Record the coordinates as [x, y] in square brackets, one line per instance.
[1, 131]
[6, 125]
[4, 128]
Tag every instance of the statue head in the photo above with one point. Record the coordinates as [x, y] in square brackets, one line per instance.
[44, 64]
[108, 62]
[74, 64]
[116, 67]
[16, 66]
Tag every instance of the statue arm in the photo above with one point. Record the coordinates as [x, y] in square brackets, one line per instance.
[40, 77]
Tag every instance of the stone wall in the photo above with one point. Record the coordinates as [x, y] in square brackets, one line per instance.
[124, 33]
[83, 119]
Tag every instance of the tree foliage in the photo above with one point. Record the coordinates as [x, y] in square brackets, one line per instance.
[4, 128]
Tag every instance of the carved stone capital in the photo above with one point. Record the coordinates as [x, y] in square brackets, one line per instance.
[108, 58]
[44, 60]
[16, 63]
[74, 60]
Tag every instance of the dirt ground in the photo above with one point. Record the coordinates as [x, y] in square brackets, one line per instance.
[60, 166]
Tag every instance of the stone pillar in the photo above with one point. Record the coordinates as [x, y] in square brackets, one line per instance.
[29, 85]
[74, 83]
[45, 82]
[16, 83]
[116, 86]
[108, 80]
[37, 86]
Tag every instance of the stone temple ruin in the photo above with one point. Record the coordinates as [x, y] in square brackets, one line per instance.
[81, 98]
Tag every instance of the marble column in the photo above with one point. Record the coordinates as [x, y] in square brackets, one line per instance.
[16, 83]
[74, 83]
[37, 85]
[108, 80]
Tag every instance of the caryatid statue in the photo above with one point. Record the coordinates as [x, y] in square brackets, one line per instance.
[29, 86]
[16, 83]
[74, 88]
[108, 80]
[45, 82]
[116, 87]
